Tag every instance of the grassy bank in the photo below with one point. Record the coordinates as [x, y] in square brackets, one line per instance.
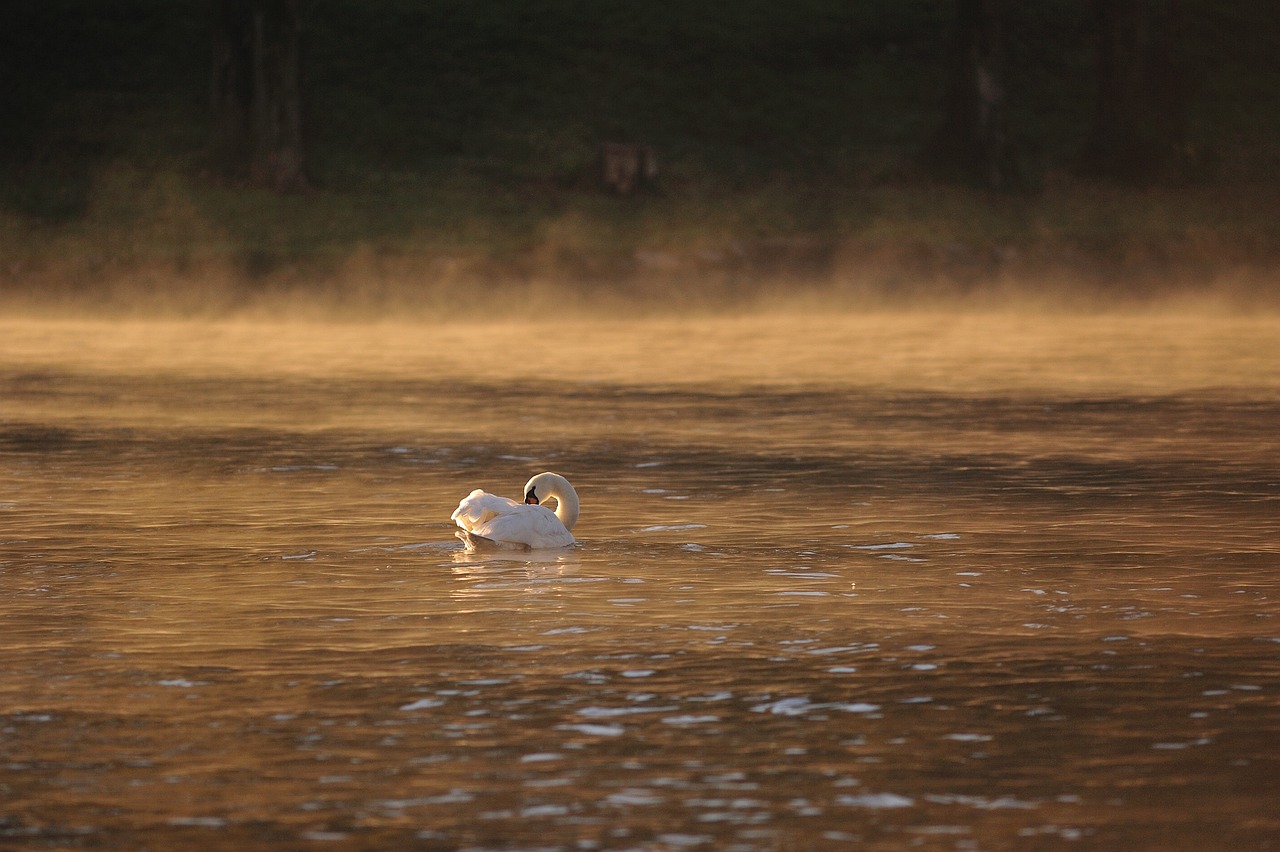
[454, 149]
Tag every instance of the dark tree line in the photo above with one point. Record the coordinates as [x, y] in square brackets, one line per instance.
[1144, 84]
[972, 141]
[257, 92]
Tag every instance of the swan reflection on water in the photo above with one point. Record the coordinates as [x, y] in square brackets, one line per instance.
[529, 575]
[504, 560]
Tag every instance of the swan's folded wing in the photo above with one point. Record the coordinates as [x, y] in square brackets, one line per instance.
[534, 526]
[480, 507]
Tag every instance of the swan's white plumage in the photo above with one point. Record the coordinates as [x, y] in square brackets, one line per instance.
[487, 520]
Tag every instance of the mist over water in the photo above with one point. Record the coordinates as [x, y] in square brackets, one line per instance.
[970, 581]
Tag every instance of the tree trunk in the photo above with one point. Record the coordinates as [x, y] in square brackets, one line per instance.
[1144, 86]
[257, 92]
[973, 141]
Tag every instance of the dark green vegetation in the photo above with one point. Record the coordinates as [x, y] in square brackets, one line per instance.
[454, 142]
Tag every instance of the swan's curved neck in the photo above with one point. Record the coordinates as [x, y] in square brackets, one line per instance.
[548, 486]
[566, 505]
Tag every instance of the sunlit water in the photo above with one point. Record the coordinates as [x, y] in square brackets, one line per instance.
[977, 582]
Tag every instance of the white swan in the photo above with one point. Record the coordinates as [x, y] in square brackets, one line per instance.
[489, 521]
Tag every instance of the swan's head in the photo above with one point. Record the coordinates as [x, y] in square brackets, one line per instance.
[548, 486]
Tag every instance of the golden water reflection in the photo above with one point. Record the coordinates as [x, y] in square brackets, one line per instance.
[969, 581]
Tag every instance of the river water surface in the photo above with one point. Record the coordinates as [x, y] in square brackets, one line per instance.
[868, 581]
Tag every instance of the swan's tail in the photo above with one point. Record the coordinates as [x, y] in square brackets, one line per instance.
[475, 542]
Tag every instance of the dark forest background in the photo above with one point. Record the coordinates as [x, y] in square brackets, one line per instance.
[899, 146]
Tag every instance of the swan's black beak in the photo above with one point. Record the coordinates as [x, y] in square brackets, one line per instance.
[531, 498]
